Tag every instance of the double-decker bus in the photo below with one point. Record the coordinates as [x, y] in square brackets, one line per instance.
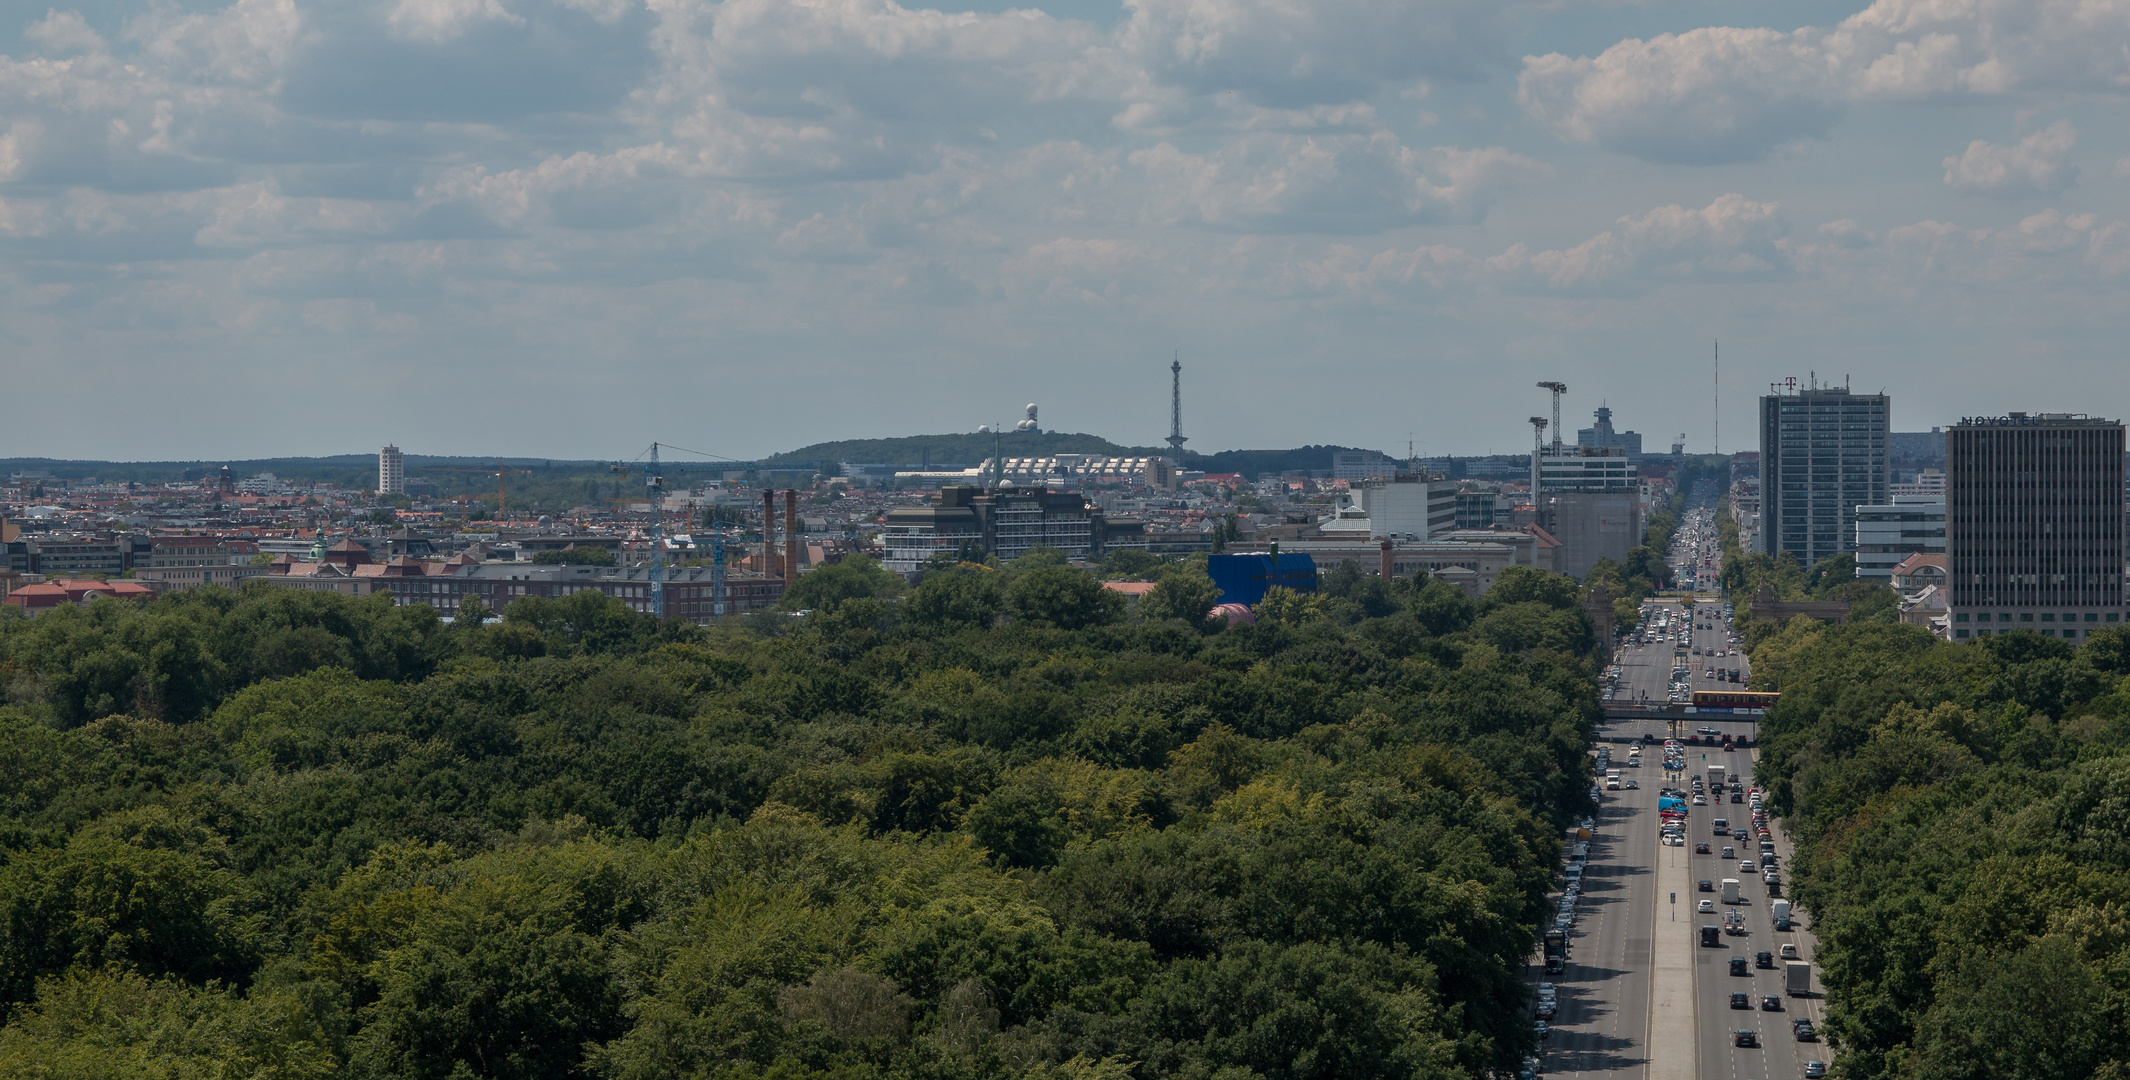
[1734, 699]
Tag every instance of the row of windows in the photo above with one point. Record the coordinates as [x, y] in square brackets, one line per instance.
[2046, 616]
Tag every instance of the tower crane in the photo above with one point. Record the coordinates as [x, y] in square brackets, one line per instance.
[654, 485]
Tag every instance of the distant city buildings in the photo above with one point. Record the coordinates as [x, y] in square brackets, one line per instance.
[1823, 453]
[1601, 434]
[2034, 524]
[1008, 522]
[1361, 465]
[391, 471]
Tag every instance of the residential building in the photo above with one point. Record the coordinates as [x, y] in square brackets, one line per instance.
[1887, 535]
[391, 471]
[1822, 455]
[2034, 524]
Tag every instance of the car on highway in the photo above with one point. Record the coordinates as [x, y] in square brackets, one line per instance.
[1815, 1068]
[1735, 797]
[1539, 1029]
[1701, 849]
[1700, 800]
[1738, 966]
[1789, 951]
[1764, 959]
[1744, 1037]
[1705, 885]
[1706, 731]
[1707, 907]
[1741, 1000]
[1804, 1031]
[1727, 849]
[1546, 1009]
[1747, 867]
[1770, 1003]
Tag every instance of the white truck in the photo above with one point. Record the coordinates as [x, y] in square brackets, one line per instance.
[1797, 976]
[1730, 890]
[1612, 779]
[1715, 775]
[1780, 909]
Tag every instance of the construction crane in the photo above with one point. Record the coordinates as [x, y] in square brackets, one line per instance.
[1557, 388]
[502, 476]
[654, 486]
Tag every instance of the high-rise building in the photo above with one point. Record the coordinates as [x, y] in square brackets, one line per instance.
[1822, 455]
[2034, 524]
[391, 471]
[1886, 535]
[1602, 434]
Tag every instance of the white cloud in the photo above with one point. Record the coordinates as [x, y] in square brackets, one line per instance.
[1285, 54]
[1335, 184]
[2035, 166]
[437, 21]
[1730, 239]
[1722, 94]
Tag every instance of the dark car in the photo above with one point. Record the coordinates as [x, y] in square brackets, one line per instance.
[1737, 797]
[1770, 1003]
[1805, 1032]
[1764, 959]
[1742, 1037]
[1738, 966]
[1741, 834]
[1700, 849]
[1741, 1000]
[1706, 885]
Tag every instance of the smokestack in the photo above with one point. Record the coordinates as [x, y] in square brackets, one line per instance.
[769, 532]
[791, 533]
[1385, 568]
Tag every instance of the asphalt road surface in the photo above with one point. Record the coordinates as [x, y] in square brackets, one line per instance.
[1605, 1021]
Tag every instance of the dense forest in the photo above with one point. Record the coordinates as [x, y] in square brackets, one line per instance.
[1962, 815]
[1000, 824]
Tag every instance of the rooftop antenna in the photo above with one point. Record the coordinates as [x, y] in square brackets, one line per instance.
[1719, 397]
[1558, 388]
[1176, 439]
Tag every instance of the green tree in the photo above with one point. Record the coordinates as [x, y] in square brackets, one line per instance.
[952, 600]
[825, 587]
[1183, 593]
[1060, 596]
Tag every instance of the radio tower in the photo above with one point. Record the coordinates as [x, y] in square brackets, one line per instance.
[1176, 439]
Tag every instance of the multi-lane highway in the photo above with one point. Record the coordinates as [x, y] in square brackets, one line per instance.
[1640, 996]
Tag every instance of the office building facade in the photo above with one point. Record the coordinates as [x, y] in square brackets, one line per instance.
[1887, 535]
[1586, 468]
[2034, 525]
[1822, 455]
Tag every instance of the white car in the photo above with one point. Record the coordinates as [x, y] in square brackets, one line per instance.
[1707, 907]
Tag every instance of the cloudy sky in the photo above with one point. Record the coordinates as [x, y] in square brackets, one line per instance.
[570, 227]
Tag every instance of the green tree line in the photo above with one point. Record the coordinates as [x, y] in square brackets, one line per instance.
[1003, 823]
[1962, 813]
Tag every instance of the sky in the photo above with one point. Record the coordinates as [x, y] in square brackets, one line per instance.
[568, 228]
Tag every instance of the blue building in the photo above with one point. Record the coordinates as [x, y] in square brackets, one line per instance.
[1243, 579]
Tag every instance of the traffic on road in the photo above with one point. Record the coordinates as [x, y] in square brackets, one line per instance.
[1678, 879]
